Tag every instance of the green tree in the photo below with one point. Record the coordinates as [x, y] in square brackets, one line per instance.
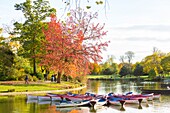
[138, 71]
[112, 69]
[20, 68]
[125, 70]
[96, 69]
[6, 60]
[152, 74]
[30, 33]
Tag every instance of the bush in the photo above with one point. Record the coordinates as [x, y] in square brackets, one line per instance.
[40, 76]
[35, 79]
[81, 79]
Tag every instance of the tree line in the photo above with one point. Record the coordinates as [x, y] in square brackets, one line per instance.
[155, 65]
[69, 48]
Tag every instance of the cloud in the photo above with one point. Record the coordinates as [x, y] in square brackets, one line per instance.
[139, 39]
[147, 39]
[162, 28]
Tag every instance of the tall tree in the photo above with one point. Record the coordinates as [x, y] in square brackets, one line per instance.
[6, 60]
[129, 56]
[96, 70]
[165, 63]
[153, 62]
[2, 42]
[73, 44]
[122, 59]
[30, 32]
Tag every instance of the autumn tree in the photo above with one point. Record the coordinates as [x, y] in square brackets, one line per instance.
[2, 42]
[71, 45]
[153, 62]
[165, 63]
[30, 32]
[97, 69]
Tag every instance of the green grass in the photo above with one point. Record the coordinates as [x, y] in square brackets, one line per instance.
[38, 87]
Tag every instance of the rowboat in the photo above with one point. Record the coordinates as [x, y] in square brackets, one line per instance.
[131, 101]
[54, 97]
[71, 103]
[156, 96]
[115, 101]
[98, 102]
[128, 98]
[31, 101]
[32, 97]
[71, 97]
[44, 98]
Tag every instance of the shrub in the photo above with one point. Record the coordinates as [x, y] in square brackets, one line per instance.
[35, 79]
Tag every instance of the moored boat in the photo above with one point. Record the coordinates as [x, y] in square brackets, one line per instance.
[98, 102]
[44, 98]
[32, 97]
[156, 96]
[115, 101]
[72, 104]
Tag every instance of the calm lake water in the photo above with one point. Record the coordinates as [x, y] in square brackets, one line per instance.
[19, 104]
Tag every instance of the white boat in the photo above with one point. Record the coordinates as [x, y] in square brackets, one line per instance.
[132, 101]
[156, 96]
[44, 98]
[44, 102]
[32, 97]
[56, 98]
[98, 102]
[31, 101]
[149, 96]
[71, 103]
[114, 102]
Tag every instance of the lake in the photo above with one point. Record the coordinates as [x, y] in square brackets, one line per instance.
[19, 104]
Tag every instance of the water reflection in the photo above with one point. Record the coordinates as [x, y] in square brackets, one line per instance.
[19, 104]
[122, 86]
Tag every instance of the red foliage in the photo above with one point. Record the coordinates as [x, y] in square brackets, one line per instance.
[71, 46]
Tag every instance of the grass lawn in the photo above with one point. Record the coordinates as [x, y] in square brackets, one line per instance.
[20, 86]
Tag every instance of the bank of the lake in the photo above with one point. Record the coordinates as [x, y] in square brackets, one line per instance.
[40, 87]
[115, 77]
[128, 77]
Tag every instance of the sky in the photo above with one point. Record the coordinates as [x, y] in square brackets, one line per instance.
[132, 25]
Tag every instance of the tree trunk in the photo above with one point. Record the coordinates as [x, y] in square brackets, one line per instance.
[34, 66]
[59, 77]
